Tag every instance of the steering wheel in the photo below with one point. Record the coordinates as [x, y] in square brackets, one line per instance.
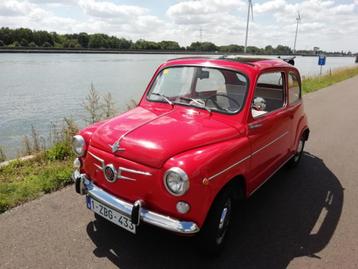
[218, 106]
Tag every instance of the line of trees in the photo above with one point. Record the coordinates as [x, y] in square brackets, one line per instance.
[27, 38]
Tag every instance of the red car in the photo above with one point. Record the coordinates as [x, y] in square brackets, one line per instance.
[206, 133]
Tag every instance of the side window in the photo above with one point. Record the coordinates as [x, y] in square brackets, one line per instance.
[269, 93]
[294, 90]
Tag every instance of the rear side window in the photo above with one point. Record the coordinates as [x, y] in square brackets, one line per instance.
[294, 89]
[269, 93]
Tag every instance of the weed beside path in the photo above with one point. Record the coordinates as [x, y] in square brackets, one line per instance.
[315, 83]
[21, 181]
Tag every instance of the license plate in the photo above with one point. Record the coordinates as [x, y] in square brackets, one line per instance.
[111, 215]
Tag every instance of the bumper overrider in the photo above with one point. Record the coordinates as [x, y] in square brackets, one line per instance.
[135, 212]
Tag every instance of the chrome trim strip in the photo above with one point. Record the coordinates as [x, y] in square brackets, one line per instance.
[255, 125]
[140, 125]
[269, 144]
[98, 159]
[98, 166]
[125, 178]
[120, 169]
[228, 168]
[247, 157]
[135, 171]
[125, 208]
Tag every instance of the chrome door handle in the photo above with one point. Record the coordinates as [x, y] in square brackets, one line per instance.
[255, 125]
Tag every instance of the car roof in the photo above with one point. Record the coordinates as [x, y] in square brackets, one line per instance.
[233, 62]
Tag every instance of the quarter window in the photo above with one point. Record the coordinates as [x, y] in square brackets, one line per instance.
[294, 90]
[269, 93]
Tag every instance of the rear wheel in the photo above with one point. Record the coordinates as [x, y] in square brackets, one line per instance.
[297, 157]
[212, 236]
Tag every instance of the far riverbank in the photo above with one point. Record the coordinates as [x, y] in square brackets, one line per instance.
[164, 52]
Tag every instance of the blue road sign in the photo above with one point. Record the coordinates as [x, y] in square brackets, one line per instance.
[321, 60]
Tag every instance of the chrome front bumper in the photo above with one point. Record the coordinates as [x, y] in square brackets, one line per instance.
[85, 186]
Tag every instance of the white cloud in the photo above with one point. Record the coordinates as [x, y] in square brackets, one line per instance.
[344, 9]
[325, 23]
[129, 21]
[202, 11]
[55, 2]
[269, 6]
[15, 13]
[329, 24]
[17, 8]
[104, 9]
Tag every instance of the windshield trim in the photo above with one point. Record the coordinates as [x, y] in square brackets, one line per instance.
[206, 66]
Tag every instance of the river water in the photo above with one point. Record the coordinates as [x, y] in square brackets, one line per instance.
[37, 89]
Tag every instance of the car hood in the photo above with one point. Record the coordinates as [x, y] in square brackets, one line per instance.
[151, 137]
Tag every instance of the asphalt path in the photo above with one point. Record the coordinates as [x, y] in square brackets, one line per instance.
[301, 218]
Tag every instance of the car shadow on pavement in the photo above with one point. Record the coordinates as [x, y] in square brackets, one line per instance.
[295, 214]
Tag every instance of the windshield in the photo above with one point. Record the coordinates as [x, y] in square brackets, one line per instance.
[208, 88]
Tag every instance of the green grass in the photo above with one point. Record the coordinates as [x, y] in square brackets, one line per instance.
[22, 181]
[315, 83]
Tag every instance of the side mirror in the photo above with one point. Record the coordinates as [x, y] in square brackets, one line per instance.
[290, 60]
[259, 104]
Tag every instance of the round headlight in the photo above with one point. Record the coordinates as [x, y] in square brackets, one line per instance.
[79, 145]
[176, 181]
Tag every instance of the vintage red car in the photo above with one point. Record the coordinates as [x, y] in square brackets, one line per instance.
[207, 131]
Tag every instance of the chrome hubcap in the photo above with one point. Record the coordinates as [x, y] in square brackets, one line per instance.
[224, 221]
[222, 218]
[299, 149]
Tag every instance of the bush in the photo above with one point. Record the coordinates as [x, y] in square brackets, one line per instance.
[108, 106]
[132, 104]
[24, 42]
[59, 151]
[32, 45]
[26, 146]
[16, 44]
[22, 181]
[2, 155]
[92, 106]
[61, 141]
[46, 45]
[202, 46]
[35, 140]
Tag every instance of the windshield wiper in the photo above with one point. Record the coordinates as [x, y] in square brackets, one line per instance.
[197, 102]
[164, 98]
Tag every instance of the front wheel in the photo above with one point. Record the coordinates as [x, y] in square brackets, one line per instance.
[212, 236]
[298, 155]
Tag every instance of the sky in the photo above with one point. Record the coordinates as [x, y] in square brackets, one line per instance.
[328, 24]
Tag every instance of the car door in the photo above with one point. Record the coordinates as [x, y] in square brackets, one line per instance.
[295, 106]
[268, 127]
